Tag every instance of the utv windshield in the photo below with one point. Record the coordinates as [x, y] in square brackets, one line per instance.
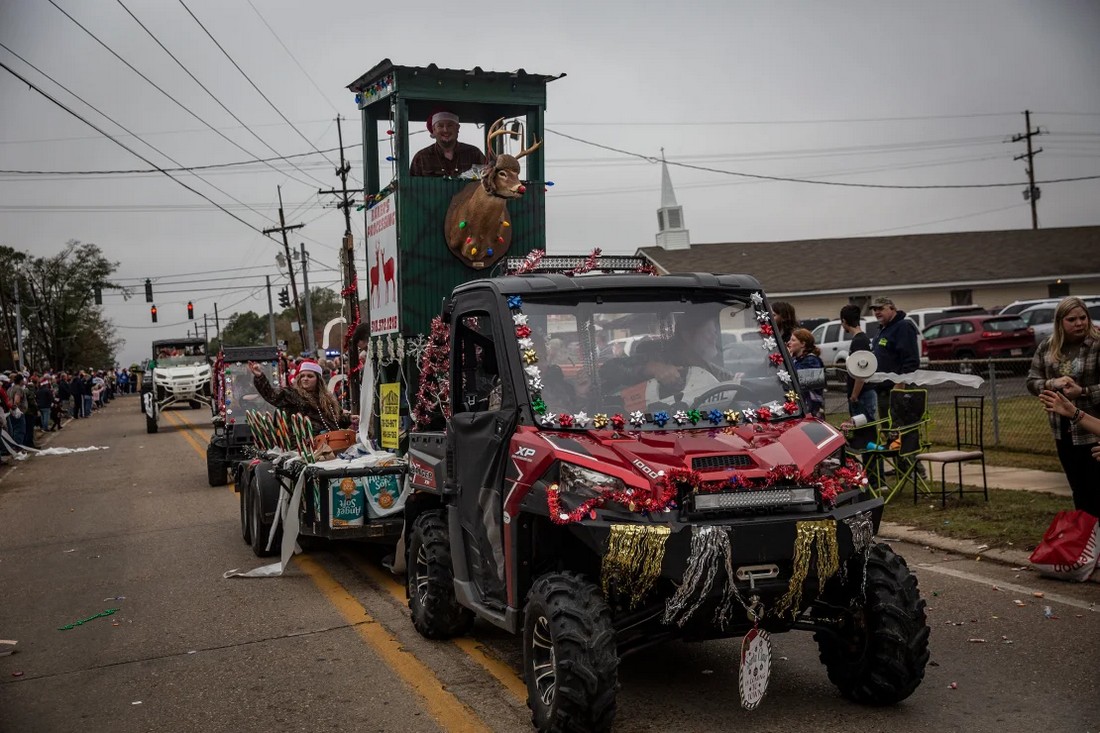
[659, 361]
[241, 391]
[183, 355]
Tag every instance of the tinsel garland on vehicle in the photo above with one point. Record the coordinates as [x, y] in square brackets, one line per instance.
[632, 562]
[433, 396]
[815, 543]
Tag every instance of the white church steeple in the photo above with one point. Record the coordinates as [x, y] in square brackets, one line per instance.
[671, 232]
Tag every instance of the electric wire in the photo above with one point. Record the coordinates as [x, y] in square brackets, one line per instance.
[265, 97]
[211, 94]
[30, 84]
[787, 179]
[156, 86]
[179, 169]
[292, 57]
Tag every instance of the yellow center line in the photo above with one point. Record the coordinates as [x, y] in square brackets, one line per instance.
[498, 668]
[448, 711]
[185, 433]
[192, 429]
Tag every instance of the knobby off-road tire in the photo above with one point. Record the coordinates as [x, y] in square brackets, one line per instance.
[570, 662]
[151, 423]
[430, 579]
[217, 473]
[880, 651]
[259, 528]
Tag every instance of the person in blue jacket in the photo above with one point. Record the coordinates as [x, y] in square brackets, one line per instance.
[895, 347]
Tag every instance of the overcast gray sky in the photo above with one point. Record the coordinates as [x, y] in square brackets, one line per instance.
[863, 92]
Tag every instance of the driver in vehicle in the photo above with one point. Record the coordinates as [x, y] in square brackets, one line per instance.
[680, 369]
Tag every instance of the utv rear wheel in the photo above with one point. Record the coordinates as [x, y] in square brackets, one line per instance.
[879, 651]
[570, 662]
[246, 519]
[436, 613]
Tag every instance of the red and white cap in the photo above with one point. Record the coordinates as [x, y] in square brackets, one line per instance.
[308, 365]
[440, 115]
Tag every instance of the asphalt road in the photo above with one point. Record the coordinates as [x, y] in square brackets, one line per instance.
[329, 647]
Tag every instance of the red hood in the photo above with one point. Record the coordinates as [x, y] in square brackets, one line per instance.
[750, 450]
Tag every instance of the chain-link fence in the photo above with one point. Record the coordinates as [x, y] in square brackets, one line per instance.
[1014, 420]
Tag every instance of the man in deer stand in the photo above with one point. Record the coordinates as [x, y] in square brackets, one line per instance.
[446, 157]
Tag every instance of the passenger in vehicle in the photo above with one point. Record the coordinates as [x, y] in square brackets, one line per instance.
[446, 157]
[785, 319]
[308, 397]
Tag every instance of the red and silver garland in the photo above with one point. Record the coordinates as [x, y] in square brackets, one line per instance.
[434, 393]
[829, 483]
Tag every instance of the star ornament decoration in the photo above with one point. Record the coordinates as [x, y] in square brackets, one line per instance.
[520, 319]
[784, 376]
[637, 419]
[757, 299]
[768, 343]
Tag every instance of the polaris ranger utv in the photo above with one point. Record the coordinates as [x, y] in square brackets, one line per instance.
[178, 373]
[234, 395]
[597, 502]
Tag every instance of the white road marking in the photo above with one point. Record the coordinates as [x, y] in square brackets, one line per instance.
[1024, 593]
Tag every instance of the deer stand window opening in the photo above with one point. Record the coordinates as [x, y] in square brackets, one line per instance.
[477, 226]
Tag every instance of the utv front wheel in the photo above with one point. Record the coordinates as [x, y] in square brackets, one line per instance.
[570, 662]
[430, 578]
[217, 474]
[878, 653]
[150, 423]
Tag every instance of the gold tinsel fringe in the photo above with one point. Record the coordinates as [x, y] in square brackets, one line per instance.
[633, 560]
[811, 536]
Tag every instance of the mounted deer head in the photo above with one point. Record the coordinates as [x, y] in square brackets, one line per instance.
[477, 226]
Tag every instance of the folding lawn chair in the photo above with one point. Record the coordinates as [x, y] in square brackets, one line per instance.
[892, 459]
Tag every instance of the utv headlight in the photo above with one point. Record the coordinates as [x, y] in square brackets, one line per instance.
[585, 482]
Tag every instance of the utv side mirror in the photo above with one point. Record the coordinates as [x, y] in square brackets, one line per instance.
[811, 378]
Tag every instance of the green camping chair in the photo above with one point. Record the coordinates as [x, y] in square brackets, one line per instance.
[891, 459]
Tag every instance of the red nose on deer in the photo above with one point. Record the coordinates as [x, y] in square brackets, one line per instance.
[477, 225]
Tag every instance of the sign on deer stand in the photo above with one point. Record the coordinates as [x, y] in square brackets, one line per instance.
[383, 261]
[391, 414]
[477, 226]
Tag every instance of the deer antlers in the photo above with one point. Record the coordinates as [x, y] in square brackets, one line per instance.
[497, 129]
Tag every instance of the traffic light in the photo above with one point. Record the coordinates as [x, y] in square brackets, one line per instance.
[148, 290]
[153, 313]
[284, 298]
[190, 311]
[98, 293]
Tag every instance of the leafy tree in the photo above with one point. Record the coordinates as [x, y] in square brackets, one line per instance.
[62, 325]
[246, 329]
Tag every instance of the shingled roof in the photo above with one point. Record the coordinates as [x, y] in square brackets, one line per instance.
[930, 260]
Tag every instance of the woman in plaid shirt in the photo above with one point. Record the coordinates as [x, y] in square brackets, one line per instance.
[1069, 362]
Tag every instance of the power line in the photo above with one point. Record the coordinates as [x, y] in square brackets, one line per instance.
[936, 221]
[181, 169]
[189, 274]
[786, 179]
[210, 93]
[292, 58]
[107, 117]
[123, 145]
[820, 121]
[265, 97]
[157, 87]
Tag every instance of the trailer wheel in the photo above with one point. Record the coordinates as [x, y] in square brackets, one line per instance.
[878, 654]
[217, 474]
[570, 662]
[430, 581]
[259, 529]
[246, 517]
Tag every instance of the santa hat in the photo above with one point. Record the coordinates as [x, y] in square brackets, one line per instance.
[441, 115]
[308, 365]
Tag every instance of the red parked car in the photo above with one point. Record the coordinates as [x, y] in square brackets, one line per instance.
[978, 337]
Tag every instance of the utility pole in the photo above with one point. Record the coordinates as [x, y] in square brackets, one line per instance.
[205, 329]
[310, 344]
[217, 325]
[347, 255]
[1032, 193]
[270, 310]
[19, 362]
[283, 228]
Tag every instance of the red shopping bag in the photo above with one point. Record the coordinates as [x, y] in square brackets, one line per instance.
[1068, 549]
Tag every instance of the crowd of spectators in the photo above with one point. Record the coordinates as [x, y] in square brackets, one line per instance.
[33, 402]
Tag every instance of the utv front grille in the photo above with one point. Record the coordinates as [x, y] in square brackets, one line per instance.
[717, 463]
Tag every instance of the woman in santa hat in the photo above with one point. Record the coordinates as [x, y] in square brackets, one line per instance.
[308, 396]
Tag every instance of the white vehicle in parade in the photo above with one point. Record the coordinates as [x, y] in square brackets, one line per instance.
[178, 373]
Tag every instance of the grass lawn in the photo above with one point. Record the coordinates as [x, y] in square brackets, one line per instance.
[1011, 519]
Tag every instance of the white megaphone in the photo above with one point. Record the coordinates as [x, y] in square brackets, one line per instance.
[861, 364]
